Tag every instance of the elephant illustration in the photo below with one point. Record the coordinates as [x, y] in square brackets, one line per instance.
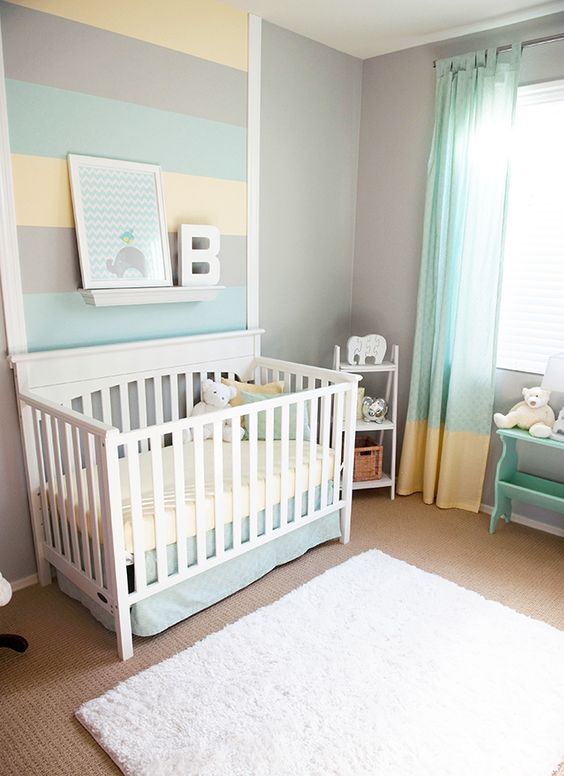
[128, 258]
[372, 346]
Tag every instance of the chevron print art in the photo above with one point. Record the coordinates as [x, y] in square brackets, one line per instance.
[121, 217]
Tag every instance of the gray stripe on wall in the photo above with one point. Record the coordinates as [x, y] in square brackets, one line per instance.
[38, 48]
[49, 259]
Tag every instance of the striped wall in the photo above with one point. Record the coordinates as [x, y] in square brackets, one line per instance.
[163, 83]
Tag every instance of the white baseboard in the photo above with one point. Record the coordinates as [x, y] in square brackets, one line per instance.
[19, 584]
[528, 521]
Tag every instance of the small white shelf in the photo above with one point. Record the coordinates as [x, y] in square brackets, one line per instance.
[367, 425]
[389, 368]
[112, 297]
[385, 481]
[385, 366]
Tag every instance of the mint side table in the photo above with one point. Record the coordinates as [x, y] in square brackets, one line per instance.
[512, 484]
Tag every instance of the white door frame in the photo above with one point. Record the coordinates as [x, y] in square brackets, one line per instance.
[10, 274]
[253, 169]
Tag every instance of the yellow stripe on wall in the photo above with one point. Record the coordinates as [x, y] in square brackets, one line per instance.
[42, 194]
[203, 28]
[41, 191]
[193, 200]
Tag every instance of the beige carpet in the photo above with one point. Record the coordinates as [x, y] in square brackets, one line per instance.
[72, 658]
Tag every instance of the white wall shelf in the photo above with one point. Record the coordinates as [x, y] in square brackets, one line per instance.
[110, 297]
[390, 368]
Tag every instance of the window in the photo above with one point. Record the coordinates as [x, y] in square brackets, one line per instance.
[532, 301]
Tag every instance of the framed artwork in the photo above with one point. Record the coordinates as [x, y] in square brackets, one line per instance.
[120, 223]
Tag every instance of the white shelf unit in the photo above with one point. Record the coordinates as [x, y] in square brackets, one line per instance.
[391, 369]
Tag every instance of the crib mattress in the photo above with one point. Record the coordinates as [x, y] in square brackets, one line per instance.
[147, 501]
[146, 480]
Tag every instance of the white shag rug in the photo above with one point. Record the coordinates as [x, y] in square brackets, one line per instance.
[374, 668]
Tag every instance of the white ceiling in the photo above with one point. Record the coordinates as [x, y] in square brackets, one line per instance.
[367, 28]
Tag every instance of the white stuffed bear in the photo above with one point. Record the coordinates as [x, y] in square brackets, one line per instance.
[532, 414]
[216, 396]
[558, 428]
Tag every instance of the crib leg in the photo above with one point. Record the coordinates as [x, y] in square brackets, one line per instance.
[345, 519]
[122, 622]
[43, 570]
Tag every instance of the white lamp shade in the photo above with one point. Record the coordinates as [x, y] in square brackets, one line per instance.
[553, 379]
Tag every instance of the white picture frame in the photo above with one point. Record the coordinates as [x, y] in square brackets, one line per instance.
[120, 223]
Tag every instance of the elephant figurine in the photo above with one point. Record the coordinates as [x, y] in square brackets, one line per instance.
[371, 346]
[127, 258]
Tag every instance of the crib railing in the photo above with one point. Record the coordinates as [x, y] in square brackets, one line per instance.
[68, 468]
[278, 482]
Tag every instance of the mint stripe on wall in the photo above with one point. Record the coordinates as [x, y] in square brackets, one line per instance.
[45, 121]
[65, 321]
[103, 63]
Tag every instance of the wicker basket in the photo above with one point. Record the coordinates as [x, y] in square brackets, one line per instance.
[367, 460]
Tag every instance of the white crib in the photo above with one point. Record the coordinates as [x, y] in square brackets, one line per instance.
[111, 477]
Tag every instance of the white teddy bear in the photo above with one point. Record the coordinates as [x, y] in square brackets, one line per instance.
[532, 414]
[216, 396]
[558, 428]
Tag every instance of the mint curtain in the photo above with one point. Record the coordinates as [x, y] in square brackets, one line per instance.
[452, 383]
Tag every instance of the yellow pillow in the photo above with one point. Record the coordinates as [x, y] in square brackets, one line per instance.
[275, 387]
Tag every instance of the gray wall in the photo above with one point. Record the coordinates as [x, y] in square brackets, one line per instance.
[16, 547]
[395, 137]
[309, 149]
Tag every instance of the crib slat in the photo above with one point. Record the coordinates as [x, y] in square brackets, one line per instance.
[80, 499]
[137, 525]
[269, 470]
[71, 502]
[338, 444]
[159, 410]
[142, 402]
[179, 498]
[54, 490]
[42, 483]
[253, 480]
[87, 404]
[60, 494]
[106, 406]
[174, 397]
[124, 406]
[50, 470]
[199, 484]
[219, 511]
[299, 459]
[312, 456]
[203, 378]
[189, 393]
[91, 468]
[284, 463]
[236, 486]
[325, 431]
[217, 376]
[159, 507]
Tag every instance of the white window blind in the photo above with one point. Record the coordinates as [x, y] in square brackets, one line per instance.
[532, 303]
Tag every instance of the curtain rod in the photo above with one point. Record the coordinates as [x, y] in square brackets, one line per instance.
[527, 43]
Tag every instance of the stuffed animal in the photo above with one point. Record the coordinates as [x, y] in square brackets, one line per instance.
[532, 414]
[216, 396]
[558, 428]
[5, 591]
